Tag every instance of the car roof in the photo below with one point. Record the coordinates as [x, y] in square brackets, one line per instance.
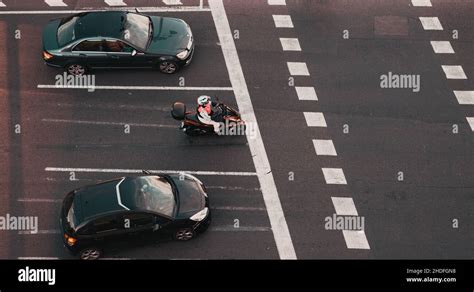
[99, 24]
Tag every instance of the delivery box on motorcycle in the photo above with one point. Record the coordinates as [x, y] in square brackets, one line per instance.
[178, 111]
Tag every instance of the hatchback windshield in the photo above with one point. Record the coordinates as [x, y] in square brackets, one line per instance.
[137, 29]
[155, 194]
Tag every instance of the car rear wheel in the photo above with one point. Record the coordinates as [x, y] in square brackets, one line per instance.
[91, 253]
[168, 67]
[76, 69]
[184, 234]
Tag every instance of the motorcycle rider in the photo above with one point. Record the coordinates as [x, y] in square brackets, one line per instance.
[205, 112]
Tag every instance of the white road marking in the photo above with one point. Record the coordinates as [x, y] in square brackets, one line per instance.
[298, 68]
[257, 148]
[48, 231]
[234, 208]
[442, 47]
[464, 96]
[431, 23]
[276, 2]
[344, 206]
[290, 44]
[324, 147]
[315, 119]
[55, 3]
[421, 3]
[240, 228]
[355, 239]
[231, 188]
[38, 258]
[116, 170]
[113, 87]
[454, 72]
[172, 2]
[306, 93]
[88, 9]
[283, 21]
[2, 4]
[470, 120]
[115, 3]
[38, 200]
[334, 176]
[108, 123]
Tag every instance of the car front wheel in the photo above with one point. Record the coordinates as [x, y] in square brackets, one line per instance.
[184, 234]
[168, 66]
[76, 69]
[91, 253]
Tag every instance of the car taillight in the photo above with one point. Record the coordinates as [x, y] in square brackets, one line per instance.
[70, 240]
[47, 55]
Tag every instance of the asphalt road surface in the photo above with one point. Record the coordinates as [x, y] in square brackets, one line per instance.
[331, 138]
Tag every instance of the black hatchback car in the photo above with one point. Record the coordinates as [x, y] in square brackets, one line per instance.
[133, 210]
[117, 39]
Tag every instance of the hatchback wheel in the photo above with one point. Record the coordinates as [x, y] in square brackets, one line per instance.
[76, 69]
[184, 234]
[91, 253]
[168, 67]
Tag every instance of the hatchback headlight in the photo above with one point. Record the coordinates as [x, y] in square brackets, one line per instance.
[183, 55]
[199, 216]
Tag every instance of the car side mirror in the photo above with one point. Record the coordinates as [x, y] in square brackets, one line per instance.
[134, 53]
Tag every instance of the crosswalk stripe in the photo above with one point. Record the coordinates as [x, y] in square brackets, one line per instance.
[55, 3]
[431, 23]
[324, 147]
[464, 96]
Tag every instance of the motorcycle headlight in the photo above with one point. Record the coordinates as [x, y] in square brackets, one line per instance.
[183, 55]
[199, 216]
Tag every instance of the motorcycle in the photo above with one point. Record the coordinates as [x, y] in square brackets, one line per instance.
[229, 118]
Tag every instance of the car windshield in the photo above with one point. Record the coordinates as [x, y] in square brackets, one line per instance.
[66, 30]
[155, 194]
[137, 29]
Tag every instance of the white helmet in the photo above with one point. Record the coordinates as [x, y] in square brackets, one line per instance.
[203, 99]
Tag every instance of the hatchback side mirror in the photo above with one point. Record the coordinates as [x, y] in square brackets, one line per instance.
[134, 53]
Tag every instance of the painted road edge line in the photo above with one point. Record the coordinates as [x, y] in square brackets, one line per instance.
[262, 165]
[116, 170]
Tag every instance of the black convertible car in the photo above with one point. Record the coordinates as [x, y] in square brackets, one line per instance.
[117, 39]
[131, 210]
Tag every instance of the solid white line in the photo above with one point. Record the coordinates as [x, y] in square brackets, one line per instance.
[344, 206]
[114, 170]
[128, 8]
[431, 23]
[442, 47]
[306, 93]
[334, 176]
[115, 3]
[257, 148]
[108, 123]
[114, 87]
[464, 96]
[283, 21]
[38, 200]
[240, 228]
[421, 3]
[454, 72]
[290, 44]
[233, 208]
[355, 239]
[298, 68]
[470, 121]
[55, 3]
[229, 188]
[315, 119]
[38, 258]
[324, 147]
[48, 231]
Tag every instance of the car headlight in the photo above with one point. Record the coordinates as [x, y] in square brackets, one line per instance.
[199, 216]
[183, 55]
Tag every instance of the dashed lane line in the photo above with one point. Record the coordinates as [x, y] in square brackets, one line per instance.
[334, 176]
[324, 147]
[355, 239]
[464, 96]
[442, 47]
[124, 171]
[283, 21]
[306, 93]
[315, 119]
[276, 216]
[470, 121]
[126, 8]
[298, 68]
[114, 87]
